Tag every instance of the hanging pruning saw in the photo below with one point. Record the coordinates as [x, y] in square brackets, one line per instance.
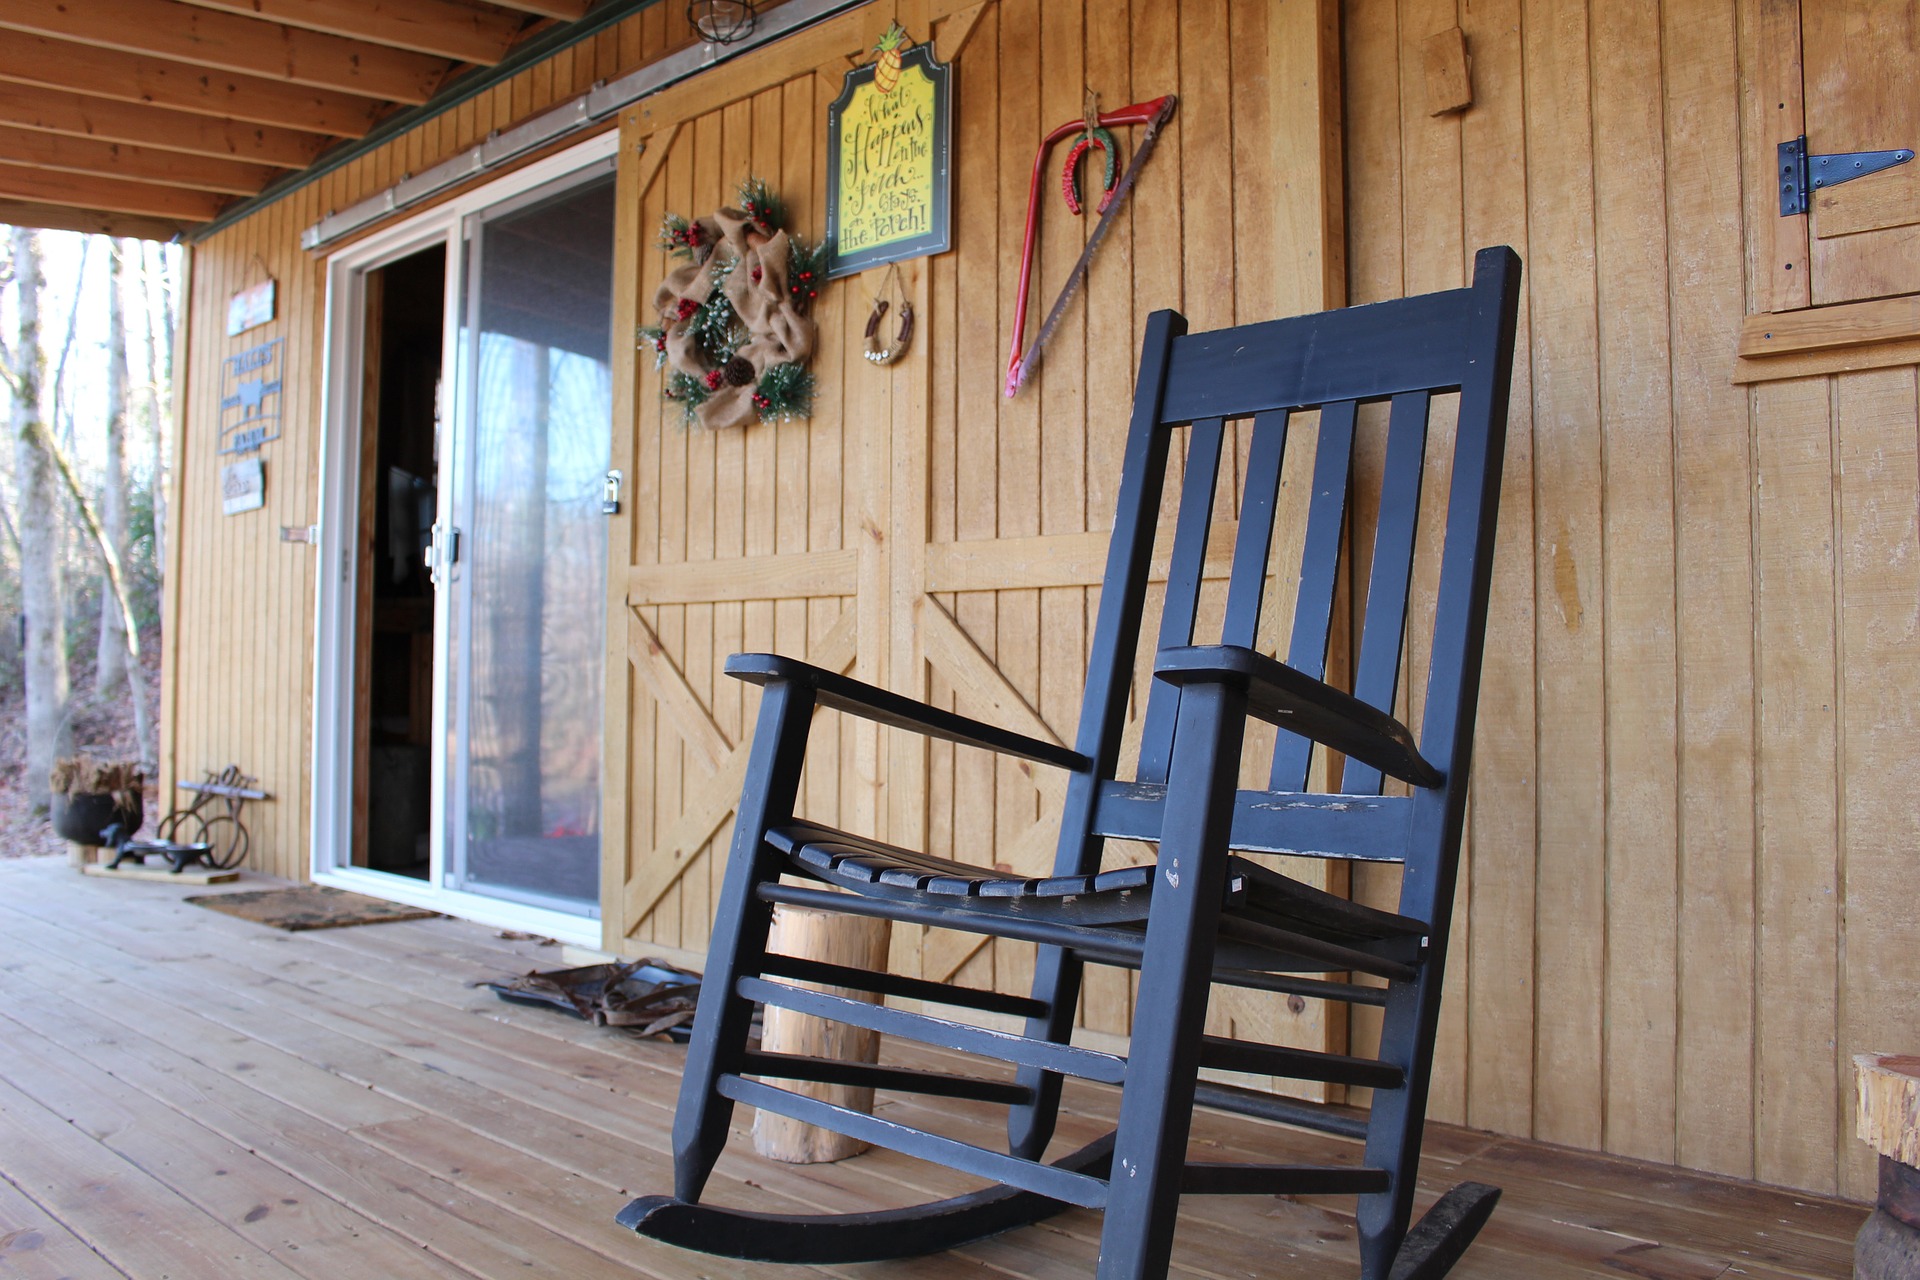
[1154, 115]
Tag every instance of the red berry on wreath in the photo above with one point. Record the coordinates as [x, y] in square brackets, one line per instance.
[687, 307]
[714, 378]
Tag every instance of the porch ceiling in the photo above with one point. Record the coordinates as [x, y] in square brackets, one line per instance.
[147, 118]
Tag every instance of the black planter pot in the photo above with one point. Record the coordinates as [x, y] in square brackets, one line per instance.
[84, 817]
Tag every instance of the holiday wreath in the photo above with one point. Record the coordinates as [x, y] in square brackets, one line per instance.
[733, 331]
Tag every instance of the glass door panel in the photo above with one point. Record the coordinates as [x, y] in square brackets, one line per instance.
[529, 559]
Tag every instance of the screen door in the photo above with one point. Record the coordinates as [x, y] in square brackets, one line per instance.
[523, 547]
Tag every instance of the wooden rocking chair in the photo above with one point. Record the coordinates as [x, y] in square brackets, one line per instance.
[1201, 914]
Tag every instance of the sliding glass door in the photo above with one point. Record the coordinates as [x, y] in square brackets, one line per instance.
[523, 548]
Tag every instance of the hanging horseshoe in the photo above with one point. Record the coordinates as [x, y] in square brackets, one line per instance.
[1070, 174]
[878, 349]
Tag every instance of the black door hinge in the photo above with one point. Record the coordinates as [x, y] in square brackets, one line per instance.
[1801, 174]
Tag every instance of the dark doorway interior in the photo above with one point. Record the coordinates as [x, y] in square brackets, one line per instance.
[393, 686]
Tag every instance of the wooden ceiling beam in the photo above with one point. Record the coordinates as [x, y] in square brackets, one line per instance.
[35, 150]
[456, 29]
[78, 115]
[93, 222]
[565, 10]
[109, 73]
[44, 186]
[227, 42]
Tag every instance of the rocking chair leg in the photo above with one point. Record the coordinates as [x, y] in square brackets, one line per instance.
[1056, 981]
[1156, 1103]
[739, 940]
[1393, 1128]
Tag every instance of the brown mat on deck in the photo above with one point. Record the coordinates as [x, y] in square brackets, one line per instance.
[308, 906]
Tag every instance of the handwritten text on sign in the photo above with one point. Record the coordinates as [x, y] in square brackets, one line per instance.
[890, 182]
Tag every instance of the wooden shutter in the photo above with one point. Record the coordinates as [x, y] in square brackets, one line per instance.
[1860, 79]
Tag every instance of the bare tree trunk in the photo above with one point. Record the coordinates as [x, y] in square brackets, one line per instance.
[144, 746]
[61, 402]
[49, 733]
[111, 669]
[160, 346]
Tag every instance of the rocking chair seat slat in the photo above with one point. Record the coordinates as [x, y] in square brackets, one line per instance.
[1270, 901]
[848, 859]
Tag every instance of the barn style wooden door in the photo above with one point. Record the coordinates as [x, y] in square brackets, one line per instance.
[919, 530]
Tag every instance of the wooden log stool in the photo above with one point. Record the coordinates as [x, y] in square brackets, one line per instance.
[850, 941]
[1888, 1246]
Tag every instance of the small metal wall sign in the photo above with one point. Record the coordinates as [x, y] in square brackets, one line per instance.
[889, 180]
[250, 397]
[250, 308]
[243, 486]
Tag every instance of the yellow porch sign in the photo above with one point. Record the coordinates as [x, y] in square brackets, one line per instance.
[888, 180]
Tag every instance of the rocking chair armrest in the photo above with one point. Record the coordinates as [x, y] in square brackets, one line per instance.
[856, 697]
[1293, 700]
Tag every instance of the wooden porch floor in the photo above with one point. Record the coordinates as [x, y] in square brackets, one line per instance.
[190, 1096]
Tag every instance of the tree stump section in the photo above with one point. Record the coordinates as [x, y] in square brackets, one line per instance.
[856, 943]
[1888, 1246]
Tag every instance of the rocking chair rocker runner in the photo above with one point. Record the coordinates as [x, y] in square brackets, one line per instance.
[1202, 913]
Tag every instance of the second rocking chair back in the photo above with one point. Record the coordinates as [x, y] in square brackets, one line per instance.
[1207, 910]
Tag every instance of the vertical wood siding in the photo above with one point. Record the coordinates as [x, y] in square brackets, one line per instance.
[1689, 874]
[1690, 860]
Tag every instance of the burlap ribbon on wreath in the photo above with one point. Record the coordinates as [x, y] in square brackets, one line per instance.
[777, 333]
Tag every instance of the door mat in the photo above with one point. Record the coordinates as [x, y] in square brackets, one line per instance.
[308, 906]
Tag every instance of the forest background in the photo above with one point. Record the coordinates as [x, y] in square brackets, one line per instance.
[87, 328]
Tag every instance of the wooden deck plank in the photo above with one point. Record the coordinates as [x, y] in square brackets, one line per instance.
[35, 1243]
[492, 1139]
[114, 1205]
[228, 1183]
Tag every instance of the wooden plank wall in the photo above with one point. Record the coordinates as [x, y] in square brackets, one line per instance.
[1687, 881]
[1690, 863]
[239, 661]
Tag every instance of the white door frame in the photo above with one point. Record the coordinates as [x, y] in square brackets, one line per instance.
[331, 834]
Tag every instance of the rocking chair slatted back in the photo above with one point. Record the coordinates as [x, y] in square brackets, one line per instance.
[1319, 576]
[1419, 356]
[1376, 679]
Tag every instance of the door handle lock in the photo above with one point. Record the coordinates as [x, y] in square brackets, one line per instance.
[610, 494]
[442, 552]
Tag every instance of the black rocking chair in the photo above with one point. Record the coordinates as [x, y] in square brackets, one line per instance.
[1201, 914]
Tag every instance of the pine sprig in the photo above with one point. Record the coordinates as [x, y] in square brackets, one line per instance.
[806, 271]
[688, 391]
[760, 204]
[653, 338]
[785, 391]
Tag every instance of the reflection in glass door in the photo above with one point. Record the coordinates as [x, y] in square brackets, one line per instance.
[526, 549]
